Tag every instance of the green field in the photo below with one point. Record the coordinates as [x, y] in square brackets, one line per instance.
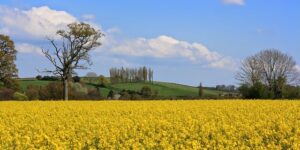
[164, 89]
[26, 82]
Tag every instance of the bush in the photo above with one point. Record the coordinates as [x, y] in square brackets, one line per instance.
[146, 92]
[78, 87]
[32, 92]
[111, 94]
[50, 78]
[19, 96]
[6, 94]
[136, 96]
[93, 94]
[76, 79]
[125, 95]
[11, 84]
[257, 91]
[103, 82]
[291, 92]
[52, 91]
[39, 77]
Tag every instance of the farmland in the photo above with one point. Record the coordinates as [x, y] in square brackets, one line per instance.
[230, 124]
[164, 89]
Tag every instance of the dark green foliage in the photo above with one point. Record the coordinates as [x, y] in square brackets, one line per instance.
[257, 91]
[125, 95]
[200, 92]
[291, 92]
[39, 77]
[111, 94]
[76, 79]
[146, 92]
[50, 78]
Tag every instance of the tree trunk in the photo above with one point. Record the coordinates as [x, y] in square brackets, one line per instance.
[66, 93]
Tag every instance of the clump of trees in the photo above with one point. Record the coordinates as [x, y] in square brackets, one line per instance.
[118, 75]
[145, 93]
[269, 74]
[47, 78]
[226, 88]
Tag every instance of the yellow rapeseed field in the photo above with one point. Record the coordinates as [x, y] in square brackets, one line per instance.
[224, 124]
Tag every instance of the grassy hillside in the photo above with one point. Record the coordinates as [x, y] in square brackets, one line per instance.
[26, 82]
[164, 89]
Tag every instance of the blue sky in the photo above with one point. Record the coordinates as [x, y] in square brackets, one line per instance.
[187, 42]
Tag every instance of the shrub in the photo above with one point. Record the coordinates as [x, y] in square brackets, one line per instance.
[52, 91]
[19, 96]
[125, 95]
[103, 81]
[76, 79]
[111, 94]
[32, 92]
[11, 84]
[78, 87]
[50, 78]
[146, 92]
[136, 96]
[6, 94]
[93, 94]
[39, 77]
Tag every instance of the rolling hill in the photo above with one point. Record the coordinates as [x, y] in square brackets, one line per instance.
[164, 89]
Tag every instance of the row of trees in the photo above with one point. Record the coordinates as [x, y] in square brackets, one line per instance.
[131, 74]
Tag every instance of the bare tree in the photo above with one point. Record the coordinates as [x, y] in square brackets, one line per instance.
[270, 67]
[72, 52]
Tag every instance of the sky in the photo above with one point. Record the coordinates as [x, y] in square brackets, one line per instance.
[186, 42]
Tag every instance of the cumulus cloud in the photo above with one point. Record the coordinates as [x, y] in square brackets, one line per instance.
[28, 48]
[297, 68]
[37, 22]
[169, 47]
[234, 2]
[43, 21]
[88, 17]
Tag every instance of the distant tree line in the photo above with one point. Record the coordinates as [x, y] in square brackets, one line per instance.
[227, 88]
[145, 93]
[118, 75]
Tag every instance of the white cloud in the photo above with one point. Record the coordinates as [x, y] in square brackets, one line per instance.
[297, 68]
[42, 21]
[88, 17]
[169, 47]
[28, 48]
[37, 22]
[234, 2]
